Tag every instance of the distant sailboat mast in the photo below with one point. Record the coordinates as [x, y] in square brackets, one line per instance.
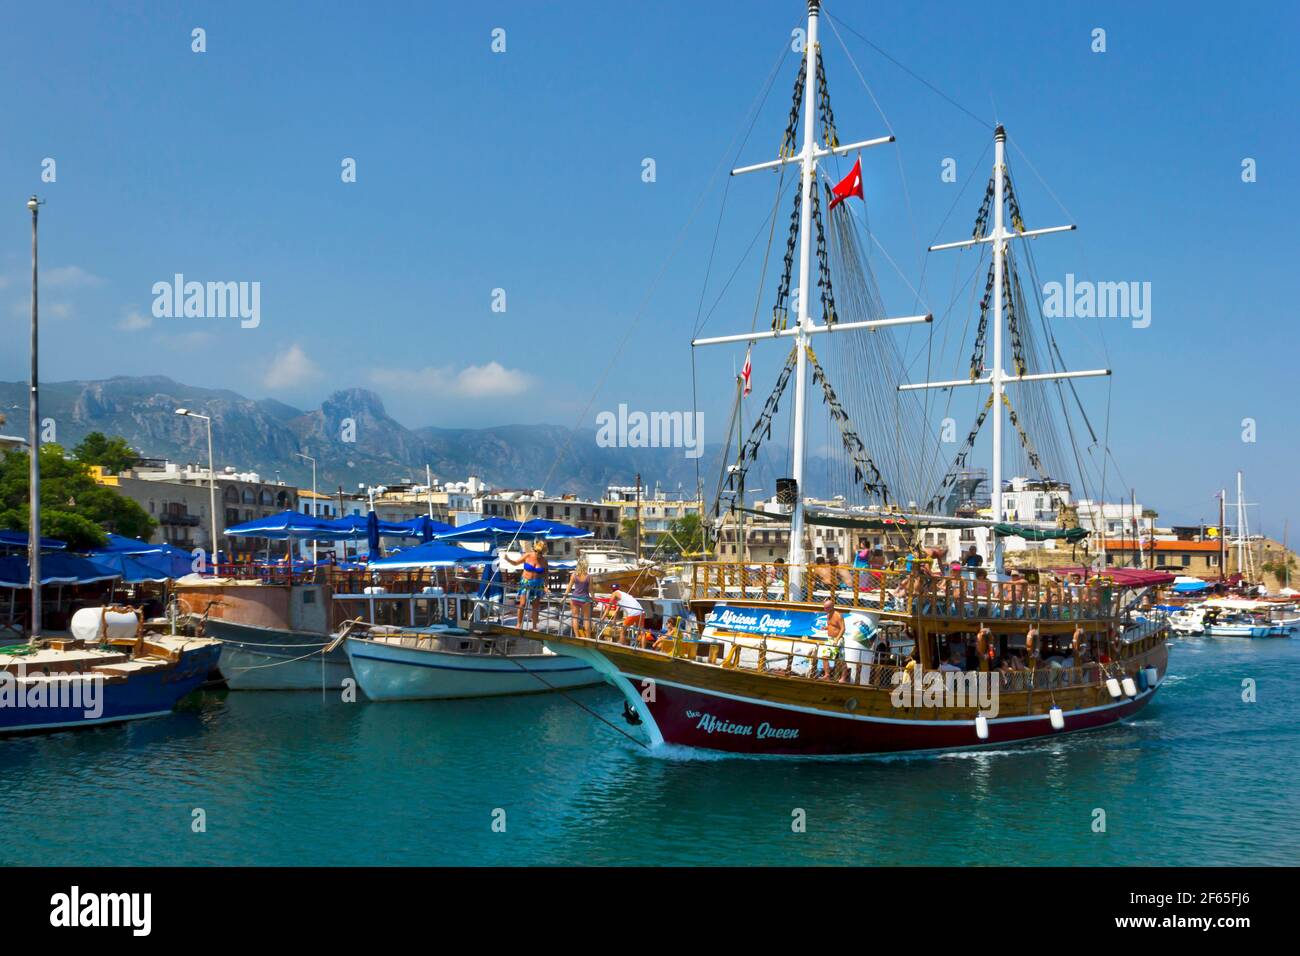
[804, 328]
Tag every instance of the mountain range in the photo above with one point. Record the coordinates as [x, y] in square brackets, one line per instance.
[351, 436]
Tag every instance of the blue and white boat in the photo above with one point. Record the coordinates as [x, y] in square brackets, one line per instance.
[445, 663]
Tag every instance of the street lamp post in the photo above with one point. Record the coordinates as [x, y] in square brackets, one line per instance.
[212, 480]
[34, 450]
[314, 505]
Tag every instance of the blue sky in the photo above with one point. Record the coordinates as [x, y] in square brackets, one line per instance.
[522, 171]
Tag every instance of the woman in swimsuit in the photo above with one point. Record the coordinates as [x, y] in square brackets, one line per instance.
[578, 592]
[532, 581]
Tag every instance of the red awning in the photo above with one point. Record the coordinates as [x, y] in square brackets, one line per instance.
[1124, 577]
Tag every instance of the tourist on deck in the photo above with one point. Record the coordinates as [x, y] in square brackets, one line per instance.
[824, 574]
[578, 591]
[834, 636]
[633, 614]
[532, 581]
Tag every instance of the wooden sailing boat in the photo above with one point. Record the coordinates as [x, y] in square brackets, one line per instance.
[808, 659]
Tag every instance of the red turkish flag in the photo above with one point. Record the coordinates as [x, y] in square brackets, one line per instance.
[850, 185]
[746, 372]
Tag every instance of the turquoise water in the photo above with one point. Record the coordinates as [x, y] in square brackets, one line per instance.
[291, 778]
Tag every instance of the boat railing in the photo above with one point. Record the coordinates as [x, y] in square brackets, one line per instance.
[903, 592]
[827, 661]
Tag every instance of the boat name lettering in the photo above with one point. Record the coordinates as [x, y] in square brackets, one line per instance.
[712, 725]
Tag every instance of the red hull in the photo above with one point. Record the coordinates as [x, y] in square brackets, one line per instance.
[693, 718]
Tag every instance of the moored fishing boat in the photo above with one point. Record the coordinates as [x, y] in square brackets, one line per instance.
[446, 662]
[804, 658]
[66, 683]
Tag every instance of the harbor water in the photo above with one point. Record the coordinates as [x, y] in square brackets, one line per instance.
[302, 778]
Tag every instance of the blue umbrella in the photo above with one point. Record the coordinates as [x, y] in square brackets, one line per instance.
[356, 527]
[423, 528]
[494, 530]
[487, 530]
[18, 539]
[133, 569]
[55, 569]
[372, 534]
[434, 554]
[550, 530]
[287, 525]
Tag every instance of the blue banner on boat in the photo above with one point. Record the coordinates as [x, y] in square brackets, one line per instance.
[767, 621]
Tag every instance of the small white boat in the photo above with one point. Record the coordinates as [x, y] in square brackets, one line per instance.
[444, 663]
[1218, 624]
[1189, 620]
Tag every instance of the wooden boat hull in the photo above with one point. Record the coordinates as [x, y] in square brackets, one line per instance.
[690, 717]
[138, 695]
[693, 704]
[392, 672]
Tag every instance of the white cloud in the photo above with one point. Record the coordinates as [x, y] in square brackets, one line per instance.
[48, 310]
[492, 380]
[291, 368]
[134, 321]
[68, 276]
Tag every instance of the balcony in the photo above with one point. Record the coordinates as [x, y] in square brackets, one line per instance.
[185, 520]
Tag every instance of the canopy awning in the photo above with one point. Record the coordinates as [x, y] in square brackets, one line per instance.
[1069, 535]
[1124, 577]
[1240, 604]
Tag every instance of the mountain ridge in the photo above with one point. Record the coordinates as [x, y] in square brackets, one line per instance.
[350, 434]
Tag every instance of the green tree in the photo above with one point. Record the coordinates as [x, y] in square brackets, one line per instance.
[114, 454]
[627, 532]
[686, 534]
[73, 507]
